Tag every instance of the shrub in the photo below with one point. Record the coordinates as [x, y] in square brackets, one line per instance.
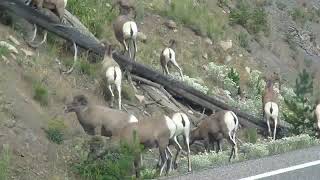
[4, 51]
[234, 76]
[253, 19]
[251, 135]
[55, 131]
[243, 40]
[112, 166]
[41, 93]
[300, 111]
[5, 157]
[94, 14]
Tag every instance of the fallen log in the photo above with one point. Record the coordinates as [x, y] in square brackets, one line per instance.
[173, 86]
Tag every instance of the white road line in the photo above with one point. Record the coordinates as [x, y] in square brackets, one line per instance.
[279, 171]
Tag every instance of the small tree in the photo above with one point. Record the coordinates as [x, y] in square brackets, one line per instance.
[300, 114]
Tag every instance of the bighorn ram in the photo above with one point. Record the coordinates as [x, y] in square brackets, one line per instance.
[182, 123]
[151, 133]
[168, 56]
[317, 113]
[98, 120]
[56, 6]
[126, 32]
[112, 74]
[270, 107]
[223, 124]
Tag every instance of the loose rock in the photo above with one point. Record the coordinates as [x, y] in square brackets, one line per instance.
[225, 45]
[171, 24]
[14, 40]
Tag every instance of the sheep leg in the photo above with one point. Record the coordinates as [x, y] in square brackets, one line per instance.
[178, 148]
[125, 45]
[169, 161]
[137, 164]
[219, 142]
[112, 95]
[268, 123]
[166, 69]
[164, 157]
[135, 49]
[118, 84]
[206, 144]
[233, 142]
[178, 67]
[275, 129]
[186, 137]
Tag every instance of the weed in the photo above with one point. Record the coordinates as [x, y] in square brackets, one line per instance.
[55, 131]
[41, 93]
[243, 40]
[251, 135]
[234, 76]
[5, 157]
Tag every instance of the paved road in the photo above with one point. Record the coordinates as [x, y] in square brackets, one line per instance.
[296, 165]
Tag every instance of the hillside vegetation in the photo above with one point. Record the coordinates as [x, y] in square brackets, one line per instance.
[39, 141]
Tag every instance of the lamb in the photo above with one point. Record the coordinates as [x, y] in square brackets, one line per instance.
[270, 107]
[317, 113]
[57, 6]
[126, 31]
[168, 55]
[98, 120]
[182, 123]
[223, 124]
[112, 73]
[152, 133]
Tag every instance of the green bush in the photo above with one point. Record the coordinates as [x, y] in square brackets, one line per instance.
[116, 164]
[5, 157]
[253, 19]
[55, 131]
[41, 93]
[300, 111]
[4, 51]
[234, 76]
[94, 14]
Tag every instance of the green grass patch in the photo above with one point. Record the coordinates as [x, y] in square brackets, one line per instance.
[94, 14]
[5, 157]
[40, 93]
[249, 151]
[252, 18]
[243, 40]
[251, 135]
[4, 51]
[55, 131]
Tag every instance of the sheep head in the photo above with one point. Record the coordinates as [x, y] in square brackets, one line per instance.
[79, 103]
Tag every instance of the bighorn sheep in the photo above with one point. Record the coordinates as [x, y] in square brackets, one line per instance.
[152, 133]
[56, 6]
[125, 7]
[98, 120]
[112, 73]
[269, 102]
[126, 32]
[317, 113]
[168, 55]
[223, 124]
[182, 123]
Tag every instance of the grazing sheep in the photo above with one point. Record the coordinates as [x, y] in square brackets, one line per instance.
[223, 124]
[126, 32]
[151, 133]
[270, 106]
[98, 120]
[182, 123]
[112, 73]
[168, 56]
[56, 6]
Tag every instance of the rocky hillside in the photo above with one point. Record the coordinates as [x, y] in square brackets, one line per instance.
[215, 38]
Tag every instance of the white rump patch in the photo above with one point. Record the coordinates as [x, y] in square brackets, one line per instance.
[65, 3]
[171, 126]
[133, 119]
[318, 115]
[128, 28]
[111, 72]
[275, 109]
[166, 54]
[229, 120]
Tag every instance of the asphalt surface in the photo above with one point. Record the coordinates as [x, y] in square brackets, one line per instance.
[265, 165]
